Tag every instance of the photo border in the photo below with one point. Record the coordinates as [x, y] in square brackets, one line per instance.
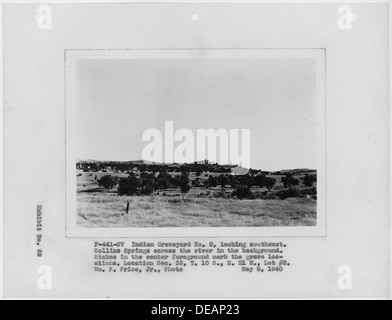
[73, 231]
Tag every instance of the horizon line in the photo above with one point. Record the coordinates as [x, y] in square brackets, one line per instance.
[191, 163]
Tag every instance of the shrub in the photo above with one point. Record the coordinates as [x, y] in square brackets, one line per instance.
[222, 179]
[309, 191]
[289, 193]
[128, 186]
[309, 180]
[107, 182]
[221, 194]
[289, 180]
[270, 197]
[184, 184]
[243, 192]
[175, 200]
[270, 183]
[213, 182]
[147, 190]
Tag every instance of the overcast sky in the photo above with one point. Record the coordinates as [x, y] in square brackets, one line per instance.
[117, 100]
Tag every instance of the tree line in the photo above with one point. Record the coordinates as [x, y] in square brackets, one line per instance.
[149, 182]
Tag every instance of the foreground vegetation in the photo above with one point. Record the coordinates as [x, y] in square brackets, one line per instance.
[107, 210]
[184, 198]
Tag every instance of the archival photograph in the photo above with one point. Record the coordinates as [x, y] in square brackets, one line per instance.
[196, 142]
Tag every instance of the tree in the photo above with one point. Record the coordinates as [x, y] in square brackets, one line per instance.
[147, 186]
[242, 192]
[309, 180]
[184, 184]
[107, 182]
[223, 181]
[289, 193]
[289, 180]
[164, 179]
[249, 181]
[286, 181]
[197, 183]
[144, 175]
[260, 180]
[270, 183]
[212, 181]
[128, 186]
[164, 184]
[294, 182]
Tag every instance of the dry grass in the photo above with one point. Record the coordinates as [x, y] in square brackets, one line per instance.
[108, 210]
[98, 209]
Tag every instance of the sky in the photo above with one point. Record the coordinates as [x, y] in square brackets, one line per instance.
[117, 100]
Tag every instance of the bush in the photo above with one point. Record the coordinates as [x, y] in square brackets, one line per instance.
[212, 182]
[107, 182]
[309, 180]
[309, 191]
[128, 186]
[175, 200]
[243, 192]
[289, 180]
[221, 194]
[270, 197]
[289, 193]
[184, 184]
[147, 190]
[270, 183]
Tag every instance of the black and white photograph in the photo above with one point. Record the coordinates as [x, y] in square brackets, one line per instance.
[192, 151]
[210, 139]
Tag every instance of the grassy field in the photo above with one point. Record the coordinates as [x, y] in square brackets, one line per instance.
[97, 209]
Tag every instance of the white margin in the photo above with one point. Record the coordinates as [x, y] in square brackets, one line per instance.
[54, 2]
[179, 1]
[390, 149]
[1, 155]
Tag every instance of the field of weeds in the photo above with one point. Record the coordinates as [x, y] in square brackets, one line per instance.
[98, 210]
